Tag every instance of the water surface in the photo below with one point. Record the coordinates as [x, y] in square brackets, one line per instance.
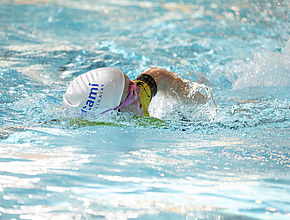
[229, 161]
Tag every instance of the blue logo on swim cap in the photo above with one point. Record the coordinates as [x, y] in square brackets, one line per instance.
[95, 97]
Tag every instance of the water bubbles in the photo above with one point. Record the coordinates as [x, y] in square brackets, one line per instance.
[50, 19]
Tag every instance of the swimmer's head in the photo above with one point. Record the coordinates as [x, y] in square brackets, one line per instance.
[99, 89]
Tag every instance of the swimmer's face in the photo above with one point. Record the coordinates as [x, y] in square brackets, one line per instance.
[136, 106]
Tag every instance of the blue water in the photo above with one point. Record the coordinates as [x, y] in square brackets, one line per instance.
[229, 161]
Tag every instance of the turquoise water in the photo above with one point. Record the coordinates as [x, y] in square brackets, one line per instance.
[229, 161]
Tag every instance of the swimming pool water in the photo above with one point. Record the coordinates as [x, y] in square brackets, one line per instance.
[223, 161]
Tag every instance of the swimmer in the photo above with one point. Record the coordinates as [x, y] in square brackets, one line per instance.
[109, 89]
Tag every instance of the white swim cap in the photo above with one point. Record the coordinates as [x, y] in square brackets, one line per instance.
[97, 89]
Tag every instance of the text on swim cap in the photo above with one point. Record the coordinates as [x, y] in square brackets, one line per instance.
[94, 98]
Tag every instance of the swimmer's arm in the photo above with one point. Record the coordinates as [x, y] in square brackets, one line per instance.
[170, 83]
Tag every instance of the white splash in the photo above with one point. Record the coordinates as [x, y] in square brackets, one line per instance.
[172, 108]
[268, 69]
